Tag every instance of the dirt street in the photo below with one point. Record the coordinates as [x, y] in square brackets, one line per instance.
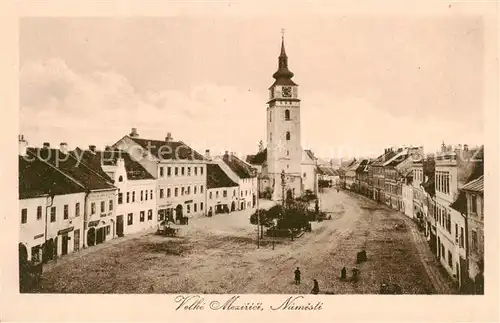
[220, 255]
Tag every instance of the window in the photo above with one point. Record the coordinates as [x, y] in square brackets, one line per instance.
[216, 194]
[456, 232]
[128, 197]
[130, 219]
[108, 229]
[473, 204]
[141, 195]
[161, 193]
[176, 192]
[270, 137]
[176, 171]
[120, 198]
[288, 152]
[305, 175]
[150, 215]
[194, 188]
[182, 171]
[146, 195]
[141, 216]
[188, 190]
[24, 215]
[474, 245]
[234, 193]
[188, 208]
[224, 193]
[66, 212]
[182, 190]
[201, 170]
[288, 135]
[210, 195]
[103, 207]
[201, 206]
[151, 194]
[92, 208]
[53, 213]
[287, 114]
[195, 171]
[450, 259]
[270, 116]
[161, 172]
[201, 188]
[111, 205]
[133, 196]
[169, 171]
[189, 171]
[462, 237]
[39, 212]
[120, 179]
[194, 205]
[168, 192]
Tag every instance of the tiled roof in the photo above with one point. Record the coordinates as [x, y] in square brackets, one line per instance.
[134, 170]
[429, 186]
[168, 150]
[242, 169]
[71, 166]
[460, 204]
[257, 159]
[217, 178]
[37, 178]
[328, 171]
[476, 185]
[383, 158]
[310, 154]
[362, 165]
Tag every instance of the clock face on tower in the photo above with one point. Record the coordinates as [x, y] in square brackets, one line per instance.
[287, 91]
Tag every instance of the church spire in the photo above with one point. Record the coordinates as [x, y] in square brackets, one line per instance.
[283, 75]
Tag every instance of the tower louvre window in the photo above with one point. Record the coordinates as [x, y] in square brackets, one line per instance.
[288, 135]
[287, 114]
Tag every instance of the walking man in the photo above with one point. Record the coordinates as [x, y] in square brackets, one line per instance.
[297, 276]
[315, 289]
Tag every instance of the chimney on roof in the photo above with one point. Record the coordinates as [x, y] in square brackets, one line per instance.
[134, 133]
[63, 147]
[207, 154]
[168, 137]
[23, 145]
[466, 147]
[261, 146]
[46, 145]
[92, 148]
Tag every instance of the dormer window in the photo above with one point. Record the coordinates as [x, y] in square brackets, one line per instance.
[120, 179]
[288, 135]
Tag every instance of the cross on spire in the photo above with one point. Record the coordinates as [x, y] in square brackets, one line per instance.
[282, 33]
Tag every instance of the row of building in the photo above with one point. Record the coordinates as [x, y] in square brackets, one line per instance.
[73, 199]
[442, 192]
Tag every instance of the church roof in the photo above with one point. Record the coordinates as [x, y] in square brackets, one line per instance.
[258, 159]
[239, 167]
[283, 75]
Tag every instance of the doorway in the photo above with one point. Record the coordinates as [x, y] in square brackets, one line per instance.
[64, 244]
[178, 213]
[91, 237]
[233, 206]
[119, 225]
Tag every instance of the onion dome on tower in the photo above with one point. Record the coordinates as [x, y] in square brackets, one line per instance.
[283, 75]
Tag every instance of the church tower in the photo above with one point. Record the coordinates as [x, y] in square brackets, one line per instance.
[284, 152]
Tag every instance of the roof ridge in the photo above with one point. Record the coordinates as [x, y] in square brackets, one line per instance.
[90, 169]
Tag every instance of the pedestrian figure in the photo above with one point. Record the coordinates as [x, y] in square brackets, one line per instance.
[315, 289]
[343, 274]
[297, 276]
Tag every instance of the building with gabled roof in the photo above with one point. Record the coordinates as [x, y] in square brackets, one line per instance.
[222, 191]
[179, 170]
[245, 175]
[136, 203]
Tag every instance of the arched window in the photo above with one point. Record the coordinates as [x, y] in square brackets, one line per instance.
[120, 179]
[270, 137]
[288, 135]
[287, 114]
[270, 116]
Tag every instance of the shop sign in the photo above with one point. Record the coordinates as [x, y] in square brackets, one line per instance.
[63, 231]
[38, 236]
[188, 201]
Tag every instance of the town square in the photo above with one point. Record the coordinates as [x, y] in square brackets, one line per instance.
[230, 157]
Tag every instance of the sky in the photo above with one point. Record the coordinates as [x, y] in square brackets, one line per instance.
[365, 82]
